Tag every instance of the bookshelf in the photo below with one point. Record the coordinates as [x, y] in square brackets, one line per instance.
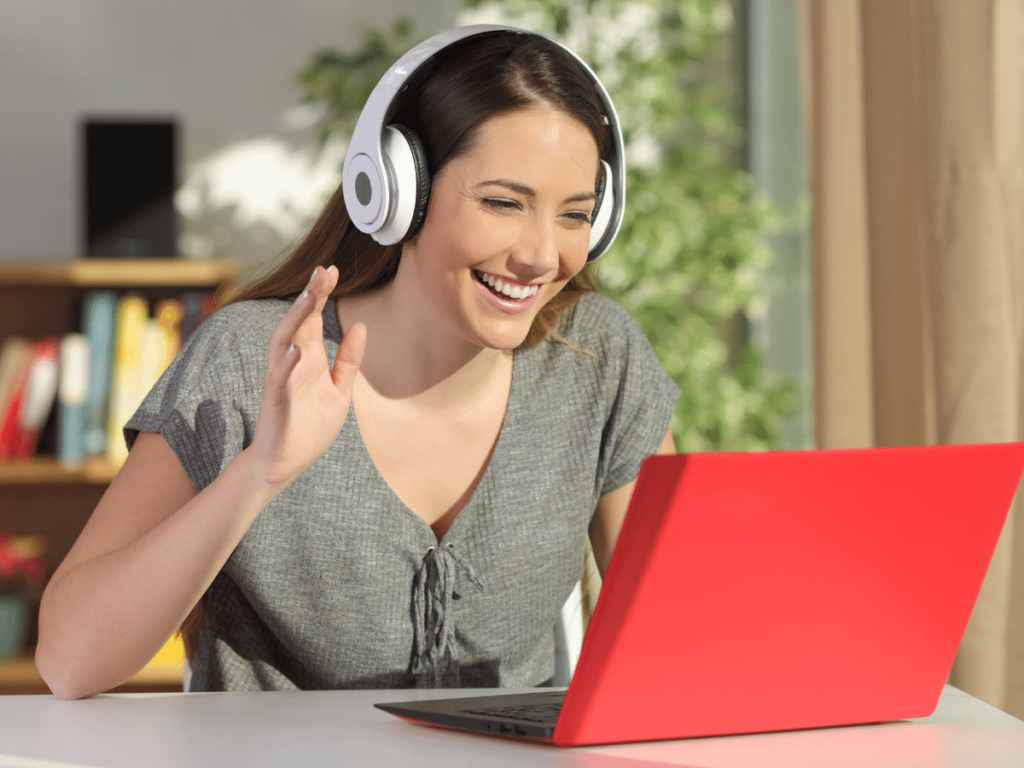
[46, 470]
[38, 495]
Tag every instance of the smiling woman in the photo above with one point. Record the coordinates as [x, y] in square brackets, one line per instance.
[379, 466]
[511, 212]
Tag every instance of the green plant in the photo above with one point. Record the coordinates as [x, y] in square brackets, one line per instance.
[690, 259]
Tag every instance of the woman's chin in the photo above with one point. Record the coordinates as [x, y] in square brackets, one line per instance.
[505, 342]
[501, 324]
[503, 334]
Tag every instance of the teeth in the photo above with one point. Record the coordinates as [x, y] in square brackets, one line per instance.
[508, 289]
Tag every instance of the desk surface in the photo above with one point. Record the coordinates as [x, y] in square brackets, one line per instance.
[343, 728]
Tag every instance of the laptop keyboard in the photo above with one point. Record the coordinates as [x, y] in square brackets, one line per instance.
[533, 713]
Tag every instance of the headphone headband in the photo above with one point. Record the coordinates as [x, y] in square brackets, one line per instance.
[369, 173]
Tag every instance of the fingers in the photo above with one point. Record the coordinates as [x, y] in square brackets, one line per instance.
[348, 359]
[321, 284]
[277, 376]
[310, 301]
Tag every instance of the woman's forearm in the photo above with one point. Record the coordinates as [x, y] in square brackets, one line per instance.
[103, 620]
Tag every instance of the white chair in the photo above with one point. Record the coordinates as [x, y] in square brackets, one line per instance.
[568, 638]
[571, 624]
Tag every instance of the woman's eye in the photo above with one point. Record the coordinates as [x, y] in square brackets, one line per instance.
[578, 217]
[499, 204]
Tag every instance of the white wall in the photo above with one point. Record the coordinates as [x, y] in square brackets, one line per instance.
[226, 68]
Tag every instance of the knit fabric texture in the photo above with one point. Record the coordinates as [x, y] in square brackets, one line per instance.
[337, 584]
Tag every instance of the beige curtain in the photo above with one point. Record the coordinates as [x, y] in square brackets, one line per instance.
[916, 149]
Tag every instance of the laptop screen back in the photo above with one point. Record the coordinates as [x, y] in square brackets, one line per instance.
[759, 592]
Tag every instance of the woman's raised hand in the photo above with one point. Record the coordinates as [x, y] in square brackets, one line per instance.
[305, 401]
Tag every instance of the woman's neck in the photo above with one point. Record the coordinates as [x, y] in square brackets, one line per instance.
[411, 356]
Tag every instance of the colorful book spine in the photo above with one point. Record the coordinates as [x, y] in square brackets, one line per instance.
[126, 387]
[72, 399]
[15, 361]
[98, 312]
[169, 314]
[190, 303]
[15, 354]
[154, 352]
[197, 307]
[32, 401]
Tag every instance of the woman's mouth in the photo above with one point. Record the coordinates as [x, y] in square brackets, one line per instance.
[506, 289]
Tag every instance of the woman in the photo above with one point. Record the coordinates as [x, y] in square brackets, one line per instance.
[414, 512]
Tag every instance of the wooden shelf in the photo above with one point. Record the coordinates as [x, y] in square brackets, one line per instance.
[19, 675]
[46, 470]
[40, 496]
[119, 273]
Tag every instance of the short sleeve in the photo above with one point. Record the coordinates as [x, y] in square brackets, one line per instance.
[639, 396]
[202, 405]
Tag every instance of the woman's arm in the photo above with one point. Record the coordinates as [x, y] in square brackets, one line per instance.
[611, 511]
[153, 545]
[147, 554]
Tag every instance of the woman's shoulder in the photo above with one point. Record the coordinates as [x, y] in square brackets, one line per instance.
[251, 319]
[233, 337]
[252, 310]
[599, 324]
[596, 307]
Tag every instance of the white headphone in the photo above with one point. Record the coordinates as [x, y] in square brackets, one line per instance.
[385, 178]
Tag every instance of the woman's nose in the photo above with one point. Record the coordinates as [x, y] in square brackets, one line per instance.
[538, 249]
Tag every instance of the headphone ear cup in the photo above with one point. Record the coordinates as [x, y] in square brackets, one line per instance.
[603, 207]
[406, 163]
[422, 187]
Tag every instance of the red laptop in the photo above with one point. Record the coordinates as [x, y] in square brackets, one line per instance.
[755, 592]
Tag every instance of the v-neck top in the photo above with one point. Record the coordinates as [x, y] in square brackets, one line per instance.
[338, 584]
[363, 452]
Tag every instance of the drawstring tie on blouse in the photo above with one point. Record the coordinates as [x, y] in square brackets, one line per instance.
[434, 638]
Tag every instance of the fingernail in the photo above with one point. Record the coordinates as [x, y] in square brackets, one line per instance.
[305, 293]
[311, 277]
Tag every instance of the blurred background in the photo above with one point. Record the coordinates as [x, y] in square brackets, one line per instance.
[823, 238]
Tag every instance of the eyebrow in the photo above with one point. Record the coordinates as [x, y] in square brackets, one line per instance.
[522, 189]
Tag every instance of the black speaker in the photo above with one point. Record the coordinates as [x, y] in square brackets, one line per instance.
[129, 170]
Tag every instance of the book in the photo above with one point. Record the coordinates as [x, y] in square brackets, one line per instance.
[30, 402]
[153, 353]
[192, 308]
[126, 388]
[72, 399]
[15, 360]
[169, 314]
[98, 313]
[197, 307]
[15, 353]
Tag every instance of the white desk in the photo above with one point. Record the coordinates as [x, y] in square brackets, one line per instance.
[342, 728]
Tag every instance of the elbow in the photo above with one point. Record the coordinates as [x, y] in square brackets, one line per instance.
[60, 662]
[58, 678]
[55, 681]
[56, 664]
[53, 659]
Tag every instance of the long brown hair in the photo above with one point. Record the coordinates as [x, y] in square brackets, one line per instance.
[446, 100]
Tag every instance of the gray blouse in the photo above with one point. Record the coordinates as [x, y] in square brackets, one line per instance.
[337, 584]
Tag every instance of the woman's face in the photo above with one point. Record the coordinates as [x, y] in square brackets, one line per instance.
[506, 227]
